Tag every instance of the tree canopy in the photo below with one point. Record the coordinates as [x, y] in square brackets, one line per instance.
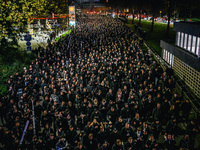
[16, 14]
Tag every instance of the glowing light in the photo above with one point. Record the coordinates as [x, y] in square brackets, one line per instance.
[71, 9]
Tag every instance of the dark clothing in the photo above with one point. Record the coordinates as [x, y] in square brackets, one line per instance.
[91, 144]
[156, 129]
[185, 143]
[51, 143]
[157, 114]
[70, 136]
[126, 133]
[129, 146]
[117, 147]
[170, 144]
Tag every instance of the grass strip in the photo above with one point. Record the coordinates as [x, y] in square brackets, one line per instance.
[67, 33]
[159, 33]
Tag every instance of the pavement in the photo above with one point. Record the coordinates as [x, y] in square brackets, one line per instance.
[38, 39]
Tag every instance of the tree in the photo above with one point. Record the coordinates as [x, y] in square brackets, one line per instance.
[14, 16]
[155, 7]
[132, 8]
[169, 6]
[140, 5]
[188, 8]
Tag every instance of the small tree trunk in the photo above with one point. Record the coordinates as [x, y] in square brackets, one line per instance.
[169, 16]
[140, 18]
[152, 26]
[185, 11]
[133, 17]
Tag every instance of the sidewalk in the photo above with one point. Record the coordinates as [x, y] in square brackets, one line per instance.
[38, 39]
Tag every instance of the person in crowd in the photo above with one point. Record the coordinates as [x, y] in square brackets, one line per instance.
[169, 142]
[146, 131]
[151, 143]
[80, 146]
[119, 124]
[156, 129]
[114, 135]
[127, 131]
[185, 142]
[102, 135]
[130, 144]
[186, 108]
[71, 133]
[104, 146]
[192, 130]
[62, 144]
[118, 145]
[91, 143]
[51, 141]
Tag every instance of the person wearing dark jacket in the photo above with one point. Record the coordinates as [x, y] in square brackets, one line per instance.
[62, 144]
[172, 127]
[91, 143]
[105, 146]
[157, 113]
[186, 108]
[71, 133]
[192, 130]
[126, 132]
[40, 144]
[165, 109]
[81, 121]
[151, 143]
[185, 142]
[118, 145]
[101, 136]
[112, 114]
[130, 144]
[109, 128]
[80, 146]
[89, 128]
[136, 122]
[156, 129]
[114, 135]
[79, 138]
[169, 142]
[51, 142]
[46, 131]
[119, 124]
[145, 131]
[139, 139]
[125, 111]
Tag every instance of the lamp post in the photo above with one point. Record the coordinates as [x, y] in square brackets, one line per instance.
[160, 13]
[133, 16]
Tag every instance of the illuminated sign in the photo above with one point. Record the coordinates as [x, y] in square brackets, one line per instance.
[72, 23]
[72, 15]
[71, 9]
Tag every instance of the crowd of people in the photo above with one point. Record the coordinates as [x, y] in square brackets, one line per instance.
[95, 89]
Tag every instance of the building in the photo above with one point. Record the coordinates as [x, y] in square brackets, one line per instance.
[92, 3]
[184, 56]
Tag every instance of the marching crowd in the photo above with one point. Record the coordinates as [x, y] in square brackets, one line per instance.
[95, 89]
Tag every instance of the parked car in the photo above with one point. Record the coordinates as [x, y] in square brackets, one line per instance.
[176, 20]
